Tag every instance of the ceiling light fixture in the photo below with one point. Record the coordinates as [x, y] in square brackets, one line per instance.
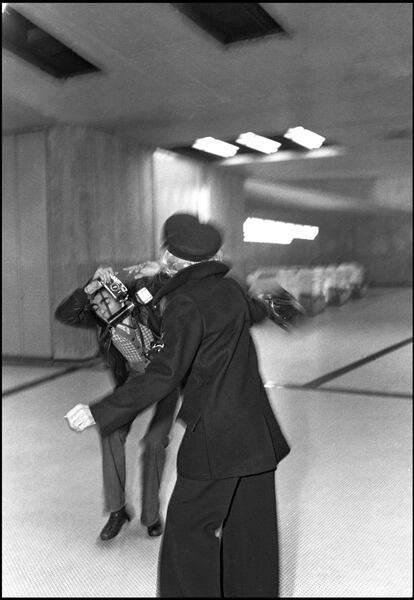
[214, 146]
[258, 142]
[3, 6]
[304, 137]
[267, 231]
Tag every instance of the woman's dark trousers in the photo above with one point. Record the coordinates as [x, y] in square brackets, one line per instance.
[195, 563]
[155, 443]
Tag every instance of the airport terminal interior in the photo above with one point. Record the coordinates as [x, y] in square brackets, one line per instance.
[341, 386]
[107, 110]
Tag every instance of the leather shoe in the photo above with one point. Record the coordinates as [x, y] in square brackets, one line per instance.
[155, 529]
[114, 524]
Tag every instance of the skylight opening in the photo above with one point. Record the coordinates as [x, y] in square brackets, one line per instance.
[267, 231]
[30, 43]
[214, 146]
[258, 142]
[304, 137]
[231, 22]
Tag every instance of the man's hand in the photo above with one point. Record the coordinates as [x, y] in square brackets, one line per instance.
[101, 274]
[80, 417]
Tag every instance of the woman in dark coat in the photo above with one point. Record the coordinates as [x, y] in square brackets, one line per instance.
[232, 444]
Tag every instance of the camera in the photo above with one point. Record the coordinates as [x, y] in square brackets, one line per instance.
[116, 288]
[119, 292]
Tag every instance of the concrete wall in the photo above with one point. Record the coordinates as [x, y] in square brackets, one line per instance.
[74, 199]
[26, 321]
[181, 184]
[99, 213]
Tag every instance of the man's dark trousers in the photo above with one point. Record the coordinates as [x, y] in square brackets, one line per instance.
[154, 443]
[195, 563]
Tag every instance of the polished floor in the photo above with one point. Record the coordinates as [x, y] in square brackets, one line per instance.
[341, 385]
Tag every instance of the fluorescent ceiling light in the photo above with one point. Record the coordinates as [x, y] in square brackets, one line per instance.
[304, 137]
[282, 155]
[3, 6]
[258, 142]
[213, 146]
[267, 231]
[303, 232]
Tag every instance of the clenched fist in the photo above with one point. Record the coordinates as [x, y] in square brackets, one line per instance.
[80, 417]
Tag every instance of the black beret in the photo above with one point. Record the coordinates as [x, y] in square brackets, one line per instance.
[187, 238]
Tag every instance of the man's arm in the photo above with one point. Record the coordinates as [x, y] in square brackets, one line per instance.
[75, 310]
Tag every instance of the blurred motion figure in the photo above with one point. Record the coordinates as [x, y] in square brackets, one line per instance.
[128, 334]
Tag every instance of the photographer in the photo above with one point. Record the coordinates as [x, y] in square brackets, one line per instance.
[128, 333]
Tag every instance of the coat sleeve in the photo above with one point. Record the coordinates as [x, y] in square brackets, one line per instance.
[75, 310]
[258, 309]
[183, 332]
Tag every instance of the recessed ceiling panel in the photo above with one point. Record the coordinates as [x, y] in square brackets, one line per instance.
[230, 22]
[33, 44]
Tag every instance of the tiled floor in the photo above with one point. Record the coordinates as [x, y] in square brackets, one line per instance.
[344, 492]
[345, 495]
[390, 373]
[335, 338]
[14, 376]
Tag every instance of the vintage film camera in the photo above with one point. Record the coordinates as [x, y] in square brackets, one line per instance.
[283, 307]
[119, 292]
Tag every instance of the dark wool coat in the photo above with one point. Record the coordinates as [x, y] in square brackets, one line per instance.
[231, 429]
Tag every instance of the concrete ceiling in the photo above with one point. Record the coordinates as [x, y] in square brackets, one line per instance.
[344, 70]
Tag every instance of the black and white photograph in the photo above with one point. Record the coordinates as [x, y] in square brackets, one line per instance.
[207, 331]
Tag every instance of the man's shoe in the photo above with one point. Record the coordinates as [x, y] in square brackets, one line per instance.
[114, 524]
[155, 529]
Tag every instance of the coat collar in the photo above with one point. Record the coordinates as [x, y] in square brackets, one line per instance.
[192, 273]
